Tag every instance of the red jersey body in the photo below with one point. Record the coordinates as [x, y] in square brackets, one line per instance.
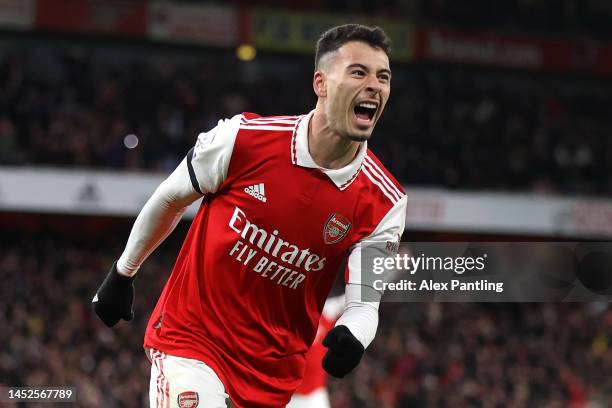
[315, 376]
[263, 251]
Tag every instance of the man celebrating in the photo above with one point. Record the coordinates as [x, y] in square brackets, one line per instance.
[288, 203]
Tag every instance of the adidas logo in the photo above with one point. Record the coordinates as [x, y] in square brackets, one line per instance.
[257, 191]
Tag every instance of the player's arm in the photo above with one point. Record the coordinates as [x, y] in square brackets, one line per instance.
[201, 172]
[356, 327]
[157, 219]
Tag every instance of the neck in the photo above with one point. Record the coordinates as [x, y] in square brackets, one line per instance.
[327, 148]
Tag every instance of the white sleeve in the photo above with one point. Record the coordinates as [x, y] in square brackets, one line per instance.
[389, 230]
[359, 316]
[208, 161]
[157, 219]
[201, 172]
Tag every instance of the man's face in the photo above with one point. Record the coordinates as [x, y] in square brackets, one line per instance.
[356, 82]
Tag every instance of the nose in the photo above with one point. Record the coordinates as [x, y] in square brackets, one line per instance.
[373, 85]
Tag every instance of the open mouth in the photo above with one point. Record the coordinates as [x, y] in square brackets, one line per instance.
[365, 111]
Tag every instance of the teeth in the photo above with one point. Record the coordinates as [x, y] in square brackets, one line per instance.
[367, 105]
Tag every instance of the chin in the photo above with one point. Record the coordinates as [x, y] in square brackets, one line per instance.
[359, 137]
[359, 132]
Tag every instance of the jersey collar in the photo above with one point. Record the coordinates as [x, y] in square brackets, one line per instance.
[300, 156]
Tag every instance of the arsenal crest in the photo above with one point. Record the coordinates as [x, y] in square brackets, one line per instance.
[336, 228]
[188, 399]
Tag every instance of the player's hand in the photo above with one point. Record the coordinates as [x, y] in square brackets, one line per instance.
[344, 351]
[114, 298]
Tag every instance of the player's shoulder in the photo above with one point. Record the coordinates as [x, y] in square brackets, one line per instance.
[379, 181]
[250, 124]
[254, 121]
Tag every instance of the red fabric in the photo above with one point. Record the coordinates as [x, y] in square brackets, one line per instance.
[314, 375]
[253, 331]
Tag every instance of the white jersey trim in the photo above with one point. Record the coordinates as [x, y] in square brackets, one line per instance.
[273, 118]
[376, 178]
[300, 155]
[377, 183]
[262, 121]
[386, 180]
[264, 127]
[280, 123]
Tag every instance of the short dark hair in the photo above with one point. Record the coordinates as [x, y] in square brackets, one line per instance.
[336, 37]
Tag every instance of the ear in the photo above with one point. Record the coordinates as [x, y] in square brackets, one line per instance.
[318, 84]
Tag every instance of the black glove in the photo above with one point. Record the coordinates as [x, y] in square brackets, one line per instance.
[344, 351]
[114, 298]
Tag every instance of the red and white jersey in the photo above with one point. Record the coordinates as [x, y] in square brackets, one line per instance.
[263, 251]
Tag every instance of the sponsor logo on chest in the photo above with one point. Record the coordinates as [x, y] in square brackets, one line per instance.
[270, 254]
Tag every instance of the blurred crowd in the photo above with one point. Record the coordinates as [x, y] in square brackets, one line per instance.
[68, 104]
[485, 355]
[424, 355]
[50, 336]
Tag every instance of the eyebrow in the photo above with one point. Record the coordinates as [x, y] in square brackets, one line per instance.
[365, 68]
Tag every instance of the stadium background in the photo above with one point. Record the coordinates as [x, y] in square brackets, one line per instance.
[498, 125]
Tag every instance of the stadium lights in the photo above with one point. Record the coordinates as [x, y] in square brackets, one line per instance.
[130, 141]
[246, 52]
